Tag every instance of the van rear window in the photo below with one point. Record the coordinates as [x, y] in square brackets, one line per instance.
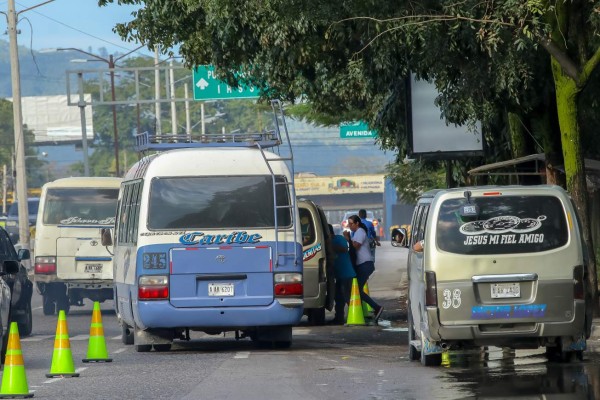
[217, 202]
[80, 206]
[505, 224]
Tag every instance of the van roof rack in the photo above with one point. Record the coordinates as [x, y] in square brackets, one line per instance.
[145, 141]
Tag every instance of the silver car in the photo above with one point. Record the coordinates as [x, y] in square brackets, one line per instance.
[498, 266]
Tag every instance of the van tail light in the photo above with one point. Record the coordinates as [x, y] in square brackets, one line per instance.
[288, 284]
[153, 287]
[578, 283]
[430, 290]
[45, 266]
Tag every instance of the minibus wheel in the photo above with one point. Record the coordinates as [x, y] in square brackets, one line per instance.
[316, 316]
[162, 347]
[143, 348]
[429, 360]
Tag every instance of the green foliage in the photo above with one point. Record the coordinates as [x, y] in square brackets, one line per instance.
[414, 178]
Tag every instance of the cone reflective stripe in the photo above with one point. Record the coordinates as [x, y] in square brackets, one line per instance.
[366, 307]
[62, 359]
[355, 312]
[97, 351]
[14, 379]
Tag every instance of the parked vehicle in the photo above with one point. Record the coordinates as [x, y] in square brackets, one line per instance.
[15, 290]
[12, 218]
[318, 258]
[70, 263]
[494, 260]
[207, 238]
[344, 223]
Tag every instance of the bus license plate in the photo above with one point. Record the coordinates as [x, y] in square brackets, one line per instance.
[220, 289]
[93, 268]
[506, 290]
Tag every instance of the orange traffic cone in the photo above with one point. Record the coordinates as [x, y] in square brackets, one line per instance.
[355, 311]
[367, 309]
[97, 345]
[62, 359]
[14, 379]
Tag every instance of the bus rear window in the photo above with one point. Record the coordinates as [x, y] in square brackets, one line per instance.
[80, 206]
[217, 202]
[504, 225]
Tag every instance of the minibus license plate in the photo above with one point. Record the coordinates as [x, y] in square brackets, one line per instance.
[220, 289]
[506, 290]
[93, 268]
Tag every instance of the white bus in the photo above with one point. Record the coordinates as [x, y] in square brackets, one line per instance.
[70, 262]
[206, 239]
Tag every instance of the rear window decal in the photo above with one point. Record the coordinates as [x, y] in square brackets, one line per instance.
[502, 224]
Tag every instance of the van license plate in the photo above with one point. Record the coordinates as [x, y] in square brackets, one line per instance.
[220, 289]
[506, 290]
[93, 268]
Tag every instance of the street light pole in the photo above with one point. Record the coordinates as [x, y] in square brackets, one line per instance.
[111, 66]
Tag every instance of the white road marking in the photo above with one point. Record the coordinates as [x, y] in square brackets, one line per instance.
[119, 351]
[116, 337]
[242, 354]
[80, 337]
[36, 338]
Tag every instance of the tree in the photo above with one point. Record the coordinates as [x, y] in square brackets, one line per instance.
[483, 55]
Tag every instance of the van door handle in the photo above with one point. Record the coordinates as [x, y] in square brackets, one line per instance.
[504, 278]
[221, 277]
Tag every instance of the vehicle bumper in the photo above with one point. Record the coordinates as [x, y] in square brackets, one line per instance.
[161, 314]
[506, 331]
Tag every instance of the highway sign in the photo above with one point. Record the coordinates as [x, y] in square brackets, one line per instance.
[356, 130]
[208, 87]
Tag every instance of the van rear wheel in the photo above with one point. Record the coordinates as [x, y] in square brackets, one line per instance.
[48, 305]
[316, 316]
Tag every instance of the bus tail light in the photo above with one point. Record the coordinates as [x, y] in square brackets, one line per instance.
[153, 287]
[578, 283]
[45, 265]
[288, 284]
[430, 290]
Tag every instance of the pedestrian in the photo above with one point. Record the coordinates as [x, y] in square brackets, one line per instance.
[371, 232]
[364, 261]
[344, 273]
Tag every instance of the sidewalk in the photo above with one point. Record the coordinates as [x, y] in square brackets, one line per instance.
[595, 329]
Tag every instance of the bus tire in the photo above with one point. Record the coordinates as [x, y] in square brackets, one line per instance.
[48, 305]
[126, 334]
[143, 348]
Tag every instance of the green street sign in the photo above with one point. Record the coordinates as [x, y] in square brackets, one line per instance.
[356, 130]
[208, 87]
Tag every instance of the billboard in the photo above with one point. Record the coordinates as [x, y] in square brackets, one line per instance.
[341, 184]
[430, 135]
[52, 120]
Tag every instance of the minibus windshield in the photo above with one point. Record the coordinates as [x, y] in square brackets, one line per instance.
[217, 202]
[505, 224]
[80, 206]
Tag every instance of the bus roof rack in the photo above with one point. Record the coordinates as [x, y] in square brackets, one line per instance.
[145, 141]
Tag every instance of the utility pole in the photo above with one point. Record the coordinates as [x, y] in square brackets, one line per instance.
[111, 66]
[21, 184]
[84, 143]
[157, 91]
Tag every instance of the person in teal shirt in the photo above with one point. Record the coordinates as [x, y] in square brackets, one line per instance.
[344, 273]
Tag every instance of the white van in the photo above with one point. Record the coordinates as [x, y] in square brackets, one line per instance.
[70, 262]
[497, 266]
[207, 239]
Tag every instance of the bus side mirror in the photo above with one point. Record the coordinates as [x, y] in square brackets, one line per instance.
[106, 237]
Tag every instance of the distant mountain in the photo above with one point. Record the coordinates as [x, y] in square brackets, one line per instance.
[42, 73]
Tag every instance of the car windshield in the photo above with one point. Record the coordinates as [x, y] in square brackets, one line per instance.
[218, 202]
[7, 250]
[505, 224]
[32, 207]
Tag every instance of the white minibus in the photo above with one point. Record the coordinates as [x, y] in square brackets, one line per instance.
[70, 262]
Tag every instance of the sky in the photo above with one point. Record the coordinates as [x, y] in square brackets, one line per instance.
[71, 23]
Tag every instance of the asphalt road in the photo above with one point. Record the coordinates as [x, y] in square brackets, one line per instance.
[324, 362]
